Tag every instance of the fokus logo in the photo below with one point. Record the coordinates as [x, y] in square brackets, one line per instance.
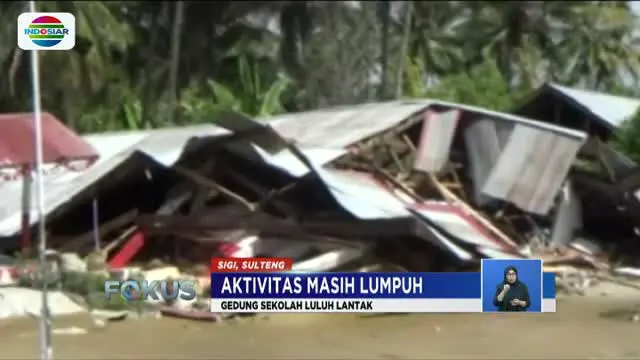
[46, 31]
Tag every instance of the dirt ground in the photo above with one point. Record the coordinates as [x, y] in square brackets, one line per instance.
[584, 327]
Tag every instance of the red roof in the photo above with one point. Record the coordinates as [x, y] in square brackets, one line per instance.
[59, 143]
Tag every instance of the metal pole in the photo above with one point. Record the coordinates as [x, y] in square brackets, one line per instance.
[27, 189]
[46, 352]
[96, 224]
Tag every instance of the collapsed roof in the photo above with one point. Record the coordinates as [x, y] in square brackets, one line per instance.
[506, 158]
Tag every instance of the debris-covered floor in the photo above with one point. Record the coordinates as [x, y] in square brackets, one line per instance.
[578, 331]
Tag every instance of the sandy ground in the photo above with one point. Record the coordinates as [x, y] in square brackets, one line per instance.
[584, 327]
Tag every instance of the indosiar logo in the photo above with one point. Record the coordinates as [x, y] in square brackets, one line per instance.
[46, 31]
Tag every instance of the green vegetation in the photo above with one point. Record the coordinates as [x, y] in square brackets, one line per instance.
[153, 64]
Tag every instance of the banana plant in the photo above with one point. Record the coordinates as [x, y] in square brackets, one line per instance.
[250, 98]
[132, 110]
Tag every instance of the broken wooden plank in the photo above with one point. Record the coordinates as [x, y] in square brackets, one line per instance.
[259, 190]
[201, 180]
[448, 194]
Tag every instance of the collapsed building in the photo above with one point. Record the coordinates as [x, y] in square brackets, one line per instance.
[421, 184]
[600, 206]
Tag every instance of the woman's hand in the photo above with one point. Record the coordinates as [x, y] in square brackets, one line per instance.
[505, 288]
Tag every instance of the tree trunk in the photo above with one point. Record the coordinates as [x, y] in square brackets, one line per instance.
[406, 36]
[384, 13]
[175, 59]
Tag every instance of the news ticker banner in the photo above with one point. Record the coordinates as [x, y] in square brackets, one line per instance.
[267, 285]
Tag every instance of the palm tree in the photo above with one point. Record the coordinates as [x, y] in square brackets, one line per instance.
[599, 47]
[503, 29]
[436, 35]
[69, 78]
[334, 54]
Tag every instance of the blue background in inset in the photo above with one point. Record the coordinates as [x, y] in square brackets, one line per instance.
[529, 272]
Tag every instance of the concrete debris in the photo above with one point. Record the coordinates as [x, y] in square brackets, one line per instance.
[72, 262]
[102, 317]
[420, 185]
[8, 275]
[73, 330]
[16, 302]
[575, 282]
[626, 271]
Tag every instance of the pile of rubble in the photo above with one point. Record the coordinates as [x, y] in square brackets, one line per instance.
[407, 185]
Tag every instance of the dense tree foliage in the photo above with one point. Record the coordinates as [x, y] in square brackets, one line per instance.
[161, 63]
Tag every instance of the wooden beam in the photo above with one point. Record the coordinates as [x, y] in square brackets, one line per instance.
[104, 229]
[448, 194]
[201, 180]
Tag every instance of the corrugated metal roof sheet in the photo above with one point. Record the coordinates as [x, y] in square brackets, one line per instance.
[164, 146]
[286, 161]
[329, 131]
[364, 197]
[531, 169]
[361, 195]
[610, 110]
[436, 137]
[453, 219]
[484, 140]
[343, 126]
[59, 142]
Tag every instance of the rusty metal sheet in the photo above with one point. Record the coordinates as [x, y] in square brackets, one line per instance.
[60, 144]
